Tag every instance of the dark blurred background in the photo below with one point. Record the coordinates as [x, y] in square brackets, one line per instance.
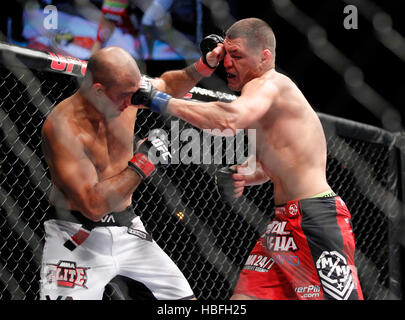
[354, 73]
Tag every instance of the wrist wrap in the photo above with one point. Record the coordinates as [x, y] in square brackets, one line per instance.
[203, 68]
[142, 165]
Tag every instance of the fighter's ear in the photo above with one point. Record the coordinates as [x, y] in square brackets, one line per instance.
[98, 88]
[266, 57]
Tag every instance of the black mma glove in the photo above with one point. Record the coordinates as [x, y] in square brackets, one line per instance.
[150, 153]
[148, 96]
[208, 44]
[224, 181]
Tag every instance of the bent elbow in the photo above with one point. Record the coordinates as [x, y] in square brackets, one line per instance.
[94, 214]
[223, 130]
[96, 217]
[95, 210]
[232, 126]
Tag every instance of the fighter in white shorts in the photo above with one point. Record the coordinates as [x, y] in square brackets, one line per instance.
[75, 270]
[92, 233]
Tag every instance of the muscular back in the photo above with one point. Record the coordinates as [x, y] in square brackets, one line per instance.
[291, 144]
[82, 151]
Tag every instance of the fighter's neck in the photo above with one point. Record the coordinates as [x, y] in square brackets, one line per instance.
[87, 108]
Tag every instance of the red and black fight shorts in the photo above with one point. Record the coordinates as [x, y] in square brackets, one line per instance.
[307, 252]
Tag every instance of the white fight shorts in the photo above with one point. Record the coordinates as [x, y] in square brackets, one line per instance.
[83, 273]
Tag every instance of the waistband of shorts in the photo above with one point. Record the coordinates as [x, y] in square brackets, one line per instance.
[293, 208]
[121, 218]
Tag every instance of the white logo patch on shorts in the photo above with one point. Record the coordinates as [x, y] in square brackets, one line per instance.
[335, 275]
[139, 233]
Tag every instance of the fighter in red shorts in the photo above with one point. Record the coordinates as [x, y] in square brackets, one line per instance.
[307, 251]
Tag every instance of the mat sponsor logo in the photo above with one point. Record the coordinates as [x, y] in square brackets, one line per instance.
[335, 275]
[65, 274]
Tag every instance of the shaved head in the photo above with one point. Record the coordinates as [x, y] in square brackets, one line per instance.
[111, 66]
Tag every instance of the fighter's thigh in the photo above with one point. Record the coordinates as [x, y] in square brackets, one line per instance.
[146, 262]
[71, 274]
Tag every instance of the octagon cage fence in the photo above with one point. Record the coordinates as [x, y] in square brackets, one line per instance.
[207, 235]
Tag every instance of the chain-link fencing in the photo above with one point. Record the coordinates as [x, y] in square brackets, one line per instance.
[208, 236]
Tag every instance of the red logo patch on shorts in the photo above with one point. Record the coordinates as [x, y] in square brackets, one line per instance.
[66, 274]
[292, 209]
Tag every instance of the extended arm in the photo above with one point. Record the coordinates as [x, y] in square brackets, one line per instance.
[104, 31]
[256, 98]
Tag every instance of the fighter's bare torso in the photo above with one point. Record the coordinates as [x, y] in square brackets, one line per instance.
[293, 157]
[102, 146]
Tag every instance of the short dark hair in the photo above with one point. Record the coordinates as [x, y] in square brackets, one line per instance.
[256, 31]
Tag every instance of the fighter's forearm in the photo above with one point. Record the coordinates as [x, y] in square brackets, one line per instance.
[111, 193]
[104, 32]
[108, 195]
[205, 115]
[259, 177]
[177, 83]
[253, 172]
